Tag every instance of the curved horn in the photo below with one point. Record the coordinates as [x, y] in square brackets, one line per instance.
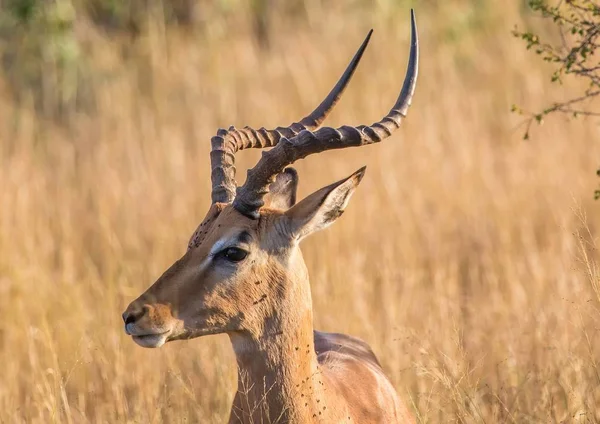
[249, 197]
[227, 142]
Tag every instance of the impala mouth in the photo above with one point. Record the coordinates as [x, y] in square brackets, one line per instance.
[151, 340]
[147, 338]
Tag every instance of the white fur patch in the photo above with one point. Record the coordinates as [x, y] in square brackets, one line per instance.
[217, 247]
[220, 245]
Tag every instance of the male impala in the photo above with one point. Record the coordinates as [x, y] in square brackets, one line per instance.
[243, 275]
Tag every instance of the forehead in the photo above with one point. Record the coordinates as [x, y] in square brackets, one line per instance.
[223, 221]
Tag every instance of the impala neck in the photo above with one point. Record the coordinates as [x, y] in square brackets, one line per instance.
[278, 371]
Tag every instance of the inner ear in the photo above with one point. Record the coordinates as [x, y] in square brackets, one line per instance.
[321, 208]
[282, 192]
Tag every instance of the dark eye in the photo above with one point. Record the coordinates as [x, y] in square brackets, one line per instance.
[234, 254]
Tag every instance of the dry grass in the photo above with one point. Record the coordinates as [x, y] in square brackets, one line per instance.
[467, 258]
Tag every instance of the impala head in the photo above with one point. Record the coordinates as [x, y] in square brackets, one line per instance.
[244, 258]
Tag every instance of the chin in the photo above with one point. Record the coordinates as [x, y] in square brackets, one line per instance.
[151, 340]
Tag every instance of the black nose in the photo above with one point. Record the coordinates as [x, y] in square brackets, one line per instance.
[133, 313]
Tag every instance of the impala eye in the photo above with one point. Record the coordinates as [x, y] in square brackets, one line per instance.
[234, 254]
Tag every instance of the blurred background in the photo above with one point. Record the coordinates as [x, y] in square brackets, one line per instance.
[467, 259]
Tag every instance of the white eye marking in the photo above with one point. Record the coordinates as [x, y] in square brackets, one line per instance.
[219, 245]
[237, 240]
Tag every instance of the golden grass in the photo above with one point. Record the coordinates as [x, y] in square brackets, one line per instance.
[467, 258]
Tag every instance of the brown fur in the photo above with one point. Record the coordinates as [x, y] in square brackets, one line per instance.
[287, 372]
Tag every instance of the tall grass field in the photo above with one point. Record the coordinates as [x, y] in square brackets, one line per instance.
[467, 259]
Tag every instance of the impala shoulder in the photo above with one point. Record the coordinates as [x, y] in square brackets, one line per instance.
[344, 344]
[353, 369]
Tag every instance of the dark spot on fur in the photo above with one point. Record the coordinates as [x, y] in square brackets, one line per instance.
[262, 298]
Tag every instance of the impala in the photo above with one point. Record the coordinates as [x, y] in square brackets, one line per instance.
[243, 274]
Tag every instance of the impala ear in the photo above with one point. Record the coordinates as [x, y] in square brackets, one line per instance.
[321, 208]
[282, 192]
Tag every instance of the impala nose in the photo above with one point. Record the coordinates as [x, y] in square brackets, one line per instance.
[133, 313]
